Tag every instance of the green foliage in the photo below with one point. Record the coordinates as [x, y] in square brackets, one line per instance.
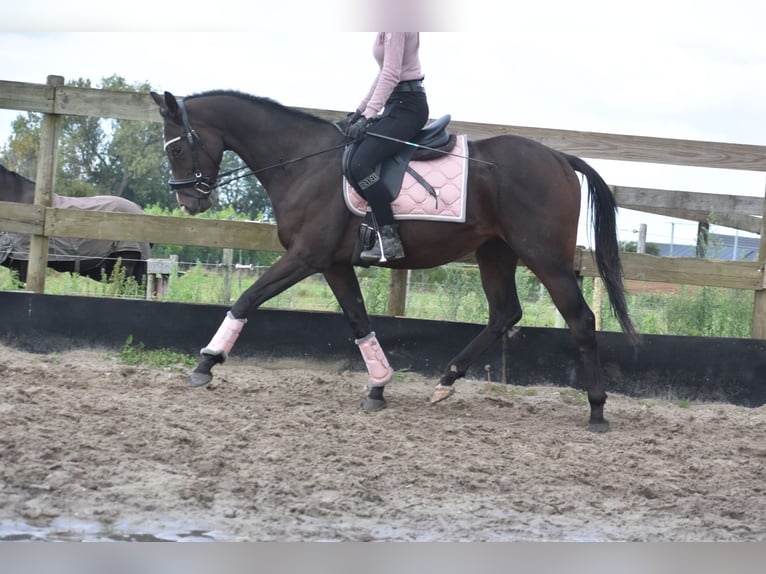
[134, 354]
[244, 195]
[20, 152]
[196, 285]
[632, 247]
[375, 283]
[207, 255]
[9, 280]
[573, 397]
[117, 284]
[462, 295]
[710, 312]
[693, 311]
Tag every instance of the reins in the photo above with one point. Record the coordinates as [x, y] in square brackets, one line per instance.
[272, 166]
[432, 149]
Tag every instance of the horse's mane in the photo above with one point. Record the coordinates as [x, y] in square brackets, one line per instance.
[265, 102]
[5, 170]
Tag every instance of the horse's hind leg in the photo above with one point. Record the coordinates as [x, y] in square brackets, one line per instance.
[345, 286]
[566, 295]
[497, 266]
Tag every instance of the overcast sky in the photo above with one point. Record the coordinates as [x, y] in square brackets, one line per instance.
[676, 69]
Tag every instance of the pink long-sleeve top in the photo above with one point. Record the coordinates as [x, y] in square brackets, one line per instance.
[397, 56]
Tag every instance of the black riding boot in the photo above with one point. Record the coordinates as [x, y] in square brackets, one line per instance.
[392, 245]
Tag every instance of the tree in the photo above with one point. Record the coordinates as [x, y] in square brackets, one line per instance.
[20, 152]
[98, 156]
[243, 192]
[140, 170]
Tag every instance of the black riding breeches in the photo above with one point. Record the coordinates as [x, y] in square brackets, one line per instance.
[404, 116]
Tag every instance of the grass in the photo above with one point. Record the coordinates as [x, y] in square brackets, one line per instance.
[450, 293]
[507, 392]
[134, 354]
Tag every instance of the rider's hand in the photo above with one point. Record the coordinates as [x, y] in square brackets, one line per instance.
[346, 122]
[358, 129]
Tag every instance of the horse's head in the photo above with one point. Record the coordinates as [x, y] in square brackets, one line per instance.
[194, 154]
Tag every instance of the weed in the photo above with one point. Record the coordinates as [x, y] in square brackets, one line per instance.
[134, 354]
[573, 397]
[508, 392]
[400, 374]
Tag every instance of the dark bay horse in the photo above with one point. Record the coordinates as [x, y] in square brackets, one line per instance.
[88, 257]
[523, 204]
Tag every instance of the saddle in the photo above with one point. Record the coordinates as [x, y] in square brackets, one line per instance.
[435, 142]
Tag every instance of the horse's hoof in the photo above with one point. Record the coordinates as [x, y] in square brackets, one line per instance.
[441, 393]
[371, 405]
[199, 379]
[599, 427]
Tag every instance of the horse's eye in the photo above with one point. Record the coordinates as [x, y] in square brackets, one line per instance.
[175, 150]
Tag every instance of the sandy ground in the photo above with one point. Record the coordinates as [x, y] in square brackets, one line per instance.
[92, 449]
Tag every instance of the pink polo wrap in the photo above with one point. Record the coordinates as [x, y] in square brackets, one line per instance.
[380, 372]
[225, 337]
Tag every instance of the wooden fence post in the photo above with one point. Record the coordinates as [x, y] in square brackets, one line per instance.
[641, 246]
[397, 294]
[158, 272]
[598, 298]
[759, 304]
[46, 175]
[228, 261]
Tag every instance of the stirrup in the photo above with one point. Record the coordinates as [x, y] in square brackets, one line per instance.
[377, 253]
[374, 254]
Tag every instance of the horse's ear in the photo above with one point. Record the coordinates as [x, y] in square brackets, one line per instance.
[170, 102]
[156, 97]
[167, 103]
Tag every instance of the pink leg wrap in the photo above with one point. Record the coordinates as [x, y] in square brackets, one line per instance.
[377, 365]
[225, 337]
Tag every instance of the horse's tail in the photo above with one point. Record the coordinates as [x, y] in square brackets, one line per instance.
[603, 209]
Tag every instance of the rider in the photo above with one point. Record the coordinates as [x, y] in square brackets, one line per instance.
[395, 107]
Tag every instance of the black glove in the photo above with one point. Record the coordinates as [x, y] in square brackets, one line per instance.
[358, 130]
[346, 122]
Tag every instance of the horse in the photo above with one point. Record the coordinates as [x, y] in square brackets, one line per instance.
[92, 258]
[523, 202]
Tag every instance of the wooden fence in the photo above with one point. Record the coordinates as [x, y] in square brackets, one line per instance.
[54, 100]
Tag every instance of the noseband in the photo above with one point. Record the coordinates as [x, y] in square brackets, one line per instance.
[200, 183]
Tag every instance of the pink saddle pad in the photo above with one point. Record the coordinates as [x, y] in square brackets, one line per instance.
[447, 175]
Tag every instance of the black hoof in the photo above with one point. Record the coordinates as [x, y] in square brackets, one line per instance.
[371, 405]
[199, 379]
[599, 427]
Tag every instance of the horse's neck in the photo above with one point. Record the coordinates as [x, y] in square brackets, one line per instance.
[271, 143]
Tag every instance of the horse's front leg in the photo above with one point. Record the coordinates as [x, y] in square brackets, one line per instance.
[345, 286]
[285, 273]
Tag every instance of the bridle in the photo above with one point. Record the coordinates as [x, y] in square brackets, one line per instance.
[201, 183]
[204, 185]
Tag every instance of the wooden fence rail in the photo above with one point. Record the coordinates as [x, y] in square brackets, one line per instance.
[742, 212]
